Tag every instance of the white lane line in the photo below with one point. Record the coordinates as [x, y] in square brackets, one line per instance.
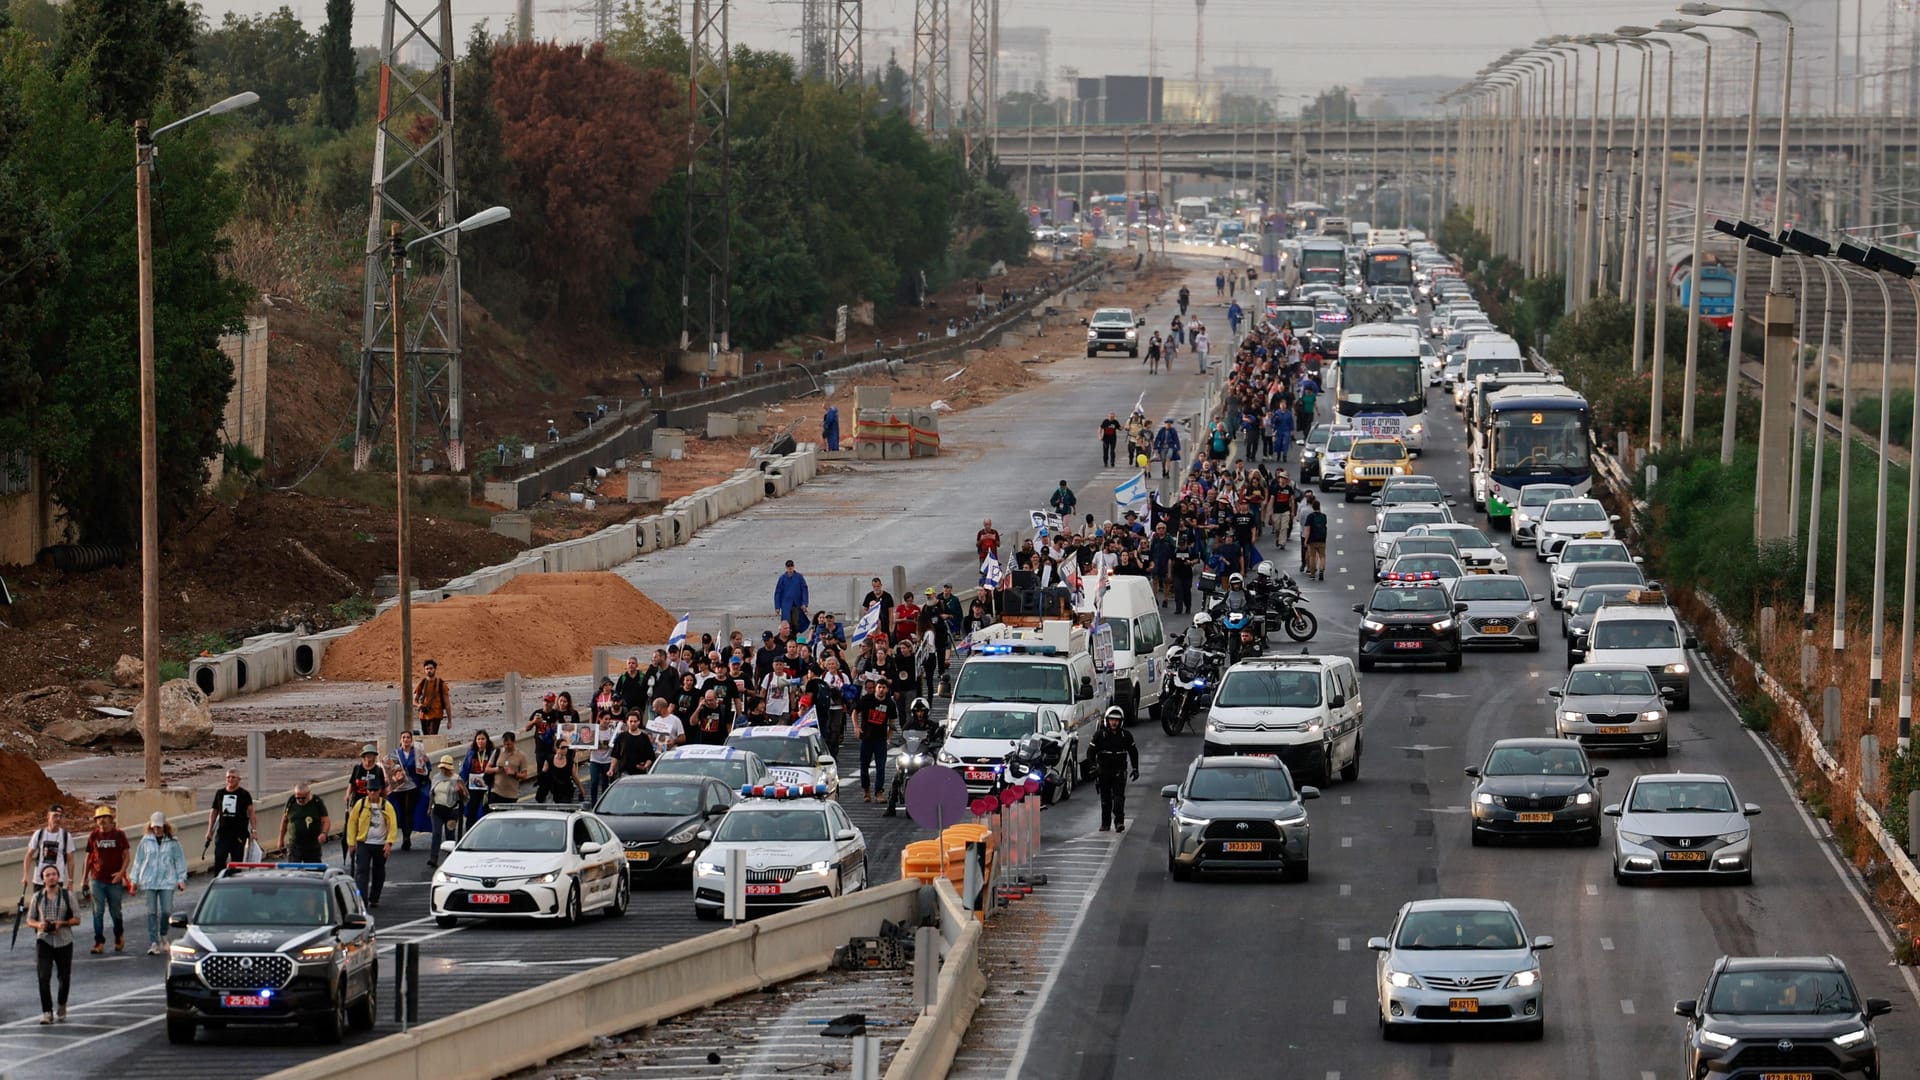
[1339, 551]
[1626, 1006]
[1346, 800]
[1046, 989]
[1333, 1074]
[1346, 890]
[1339, 1006]
[1592, 889]
[1647, 1074]
[1346, 944]
[1606, 944]
[1349, 588]
[1539, 701]
[1346, 841]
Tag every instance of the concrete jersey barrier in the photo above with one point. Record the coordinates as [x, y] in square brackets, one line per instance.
[935, 1038]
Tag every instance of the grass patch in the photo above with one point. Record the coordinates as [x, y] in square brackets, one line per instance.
[353, 609]
[1757, 713]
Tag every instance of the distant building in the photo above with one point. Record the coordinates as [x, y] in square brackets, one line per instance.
[1022, 58]
[1404, 95]
[1118, 99]
[1245, 80]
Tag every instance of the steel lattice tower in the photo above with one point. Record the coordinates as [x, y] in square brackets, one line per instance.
[813, 39]
[707, 277]
[849, 67]
[980, 117]
[423, 175]
[932, 67]
[602, 19]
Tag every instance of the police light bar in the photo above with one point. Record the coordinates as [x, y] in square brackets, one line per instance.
[782, 791]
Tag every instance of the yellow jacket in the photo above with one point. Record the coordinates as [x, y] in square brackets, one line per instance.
[360, 819]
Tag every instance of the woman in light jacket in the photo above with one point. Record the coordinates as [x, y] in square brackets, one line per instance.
[159, 870]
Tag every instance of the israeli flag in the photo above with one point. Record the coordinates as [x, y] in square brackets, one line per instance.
[808, 719]
[990, 572]
[869, 622]
[1132, 494]
[679, 635]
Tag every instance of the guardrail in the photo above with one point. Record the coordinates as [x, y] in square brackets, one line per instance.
[535, 1026]
[930, 1047]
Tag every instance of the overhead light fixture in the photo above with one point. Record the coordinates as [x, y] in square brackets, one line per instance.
[1765, 246]
[1723, 226]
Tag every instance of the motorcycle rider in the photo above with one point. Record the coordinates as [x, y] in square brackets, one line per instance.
[919, 718]
[1118, 761]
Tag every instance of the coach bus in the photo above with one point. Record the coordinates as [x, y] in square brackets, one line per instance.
[1379, 385]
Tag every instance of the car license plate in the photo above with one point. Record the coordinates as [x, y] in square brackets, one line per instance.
[1686, 856]
[1595, 536]
[1787, 1076]
[763, 890]
[1497, 628]
[979, 774]
[489, 898]
[1613, 731]
[1409, 644]
[1536, 818]
[639, 856]
[244, 1001]
[1463, 1005]
[1242, 845]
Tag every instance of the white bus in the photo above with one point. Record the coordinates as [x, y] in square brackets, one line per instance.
[1379, 384]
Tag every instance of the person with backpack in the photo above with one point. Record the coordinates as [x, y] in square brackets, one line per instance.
[447, 804]
[159, 870]
[106, 879]
[51, 845]
[52, 916]
[1313, 540]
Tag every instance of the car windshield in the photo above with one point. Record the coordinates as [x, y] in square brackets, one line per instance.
[1682, 797]
[238, 902]
[1401, 520]
[1114, 315]
[516, 832]
[1542, 494]
[1636, 634]
[996, 724]
[779, 749]
[1575, 511]
[1536, 761]
[1781, 992]
[1627, 682]
[1468, 929]
[1340, 441]
[1378, 451]
[1591, 600]
[732, 772]
[1491, 588]
[1467, 536]
[1240, 783]
[1318, 436]
[1627, 574]
[1041, 682]
[658, 800]
[772, 826]
[1413, 493]
[1408, 545]
[1122, 632]
[1282, 689]
[1423, 600]
[1579, 553]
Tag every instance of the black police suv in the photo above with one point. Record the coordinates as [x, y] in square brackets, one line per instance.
[1401, 625]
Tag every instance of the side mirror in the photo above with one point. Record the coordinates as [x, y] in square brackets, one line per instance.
[1378, 944]
[1668, 693]
[355, 920]
[1637, 560]
[1309, 793]
[447, 846]
[1542, 943]
[1749, 810]
[1613, 517]
[1554, 558]
[1171, 791]
[1556, 692]
[703, 835]
[826, 760]
[1578, 652]
[1375, 501]
[1083, 322]
[1692, 642]
[716, 811]
[1143, 322]
[1359, 609]
[1460, 607]
[1086, 691]
[844, 835]
[590, 848]
[1538, 598]
[1337, 701]
[1878, 1006]
[1611, 810]
[1688, 1009]
[1373, 530]
[1599, 772]
[1473, 771]
[178, 920]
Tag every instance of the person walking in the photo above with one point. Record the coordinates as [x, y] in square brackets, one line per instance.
[1201, 343]
[1166, 447]
[1062, 500]
[409, 790]
[106, 879]
[507, 770]
[231, 822]
[446, 805]
[1117, 760]
[600, 760]
[159, 870]
[370, 829]
[1313, 539]
[431, 698]
[1219, 284]
[52, 844]
[875, 713]
[1281, 423]
[1235, 316]
[52, 916]
[633, 752]
[1186, 297]
[1109, 439]
[557, 782]
[304, 826]
[1153, 354]
[790, 597]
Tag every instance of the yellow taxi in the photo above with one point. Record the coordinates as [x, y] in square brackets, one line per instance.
[1372, 461]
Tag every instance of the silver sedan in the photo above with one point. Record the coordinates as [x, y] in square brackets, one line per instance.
[1500, 611]
[1612, 706]
[1460, 962]
[1687, 824]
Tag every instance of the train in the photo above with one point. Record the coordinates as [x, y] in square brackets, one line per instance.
[1715, 281]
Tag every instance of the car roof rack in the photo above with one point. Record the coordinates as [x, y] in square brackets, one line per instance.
[1651, 595]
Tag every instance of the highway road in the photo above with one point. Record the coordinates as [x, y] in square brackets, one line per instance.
[1264, 979]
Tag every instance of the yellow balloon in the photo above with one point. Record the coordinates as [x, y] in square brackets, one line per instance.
[1141, 461]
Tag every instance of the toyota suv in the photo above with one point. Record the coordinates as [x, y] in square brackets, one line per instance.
[1112, 330]
[273, 944]
[1304, 710]
[1781, 1016]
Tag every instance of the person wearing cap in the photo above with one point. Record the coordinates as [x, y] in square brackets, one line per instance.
[446, 804]
[304, 826]
[790, 599]
[106, 879]
[371, 826]
[159, 870]
[431, 697]
[231, 822]
[52, 844]
[949, 606]
[52, 914]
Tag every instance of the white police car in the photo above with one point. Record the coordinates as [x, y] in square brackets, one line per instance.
[797, 848]
[531, 861]
[794, 755]
[730, 765]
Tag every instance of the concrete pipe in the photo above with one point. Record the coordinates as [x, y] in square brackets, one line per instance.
[214, 675]
[311, 651]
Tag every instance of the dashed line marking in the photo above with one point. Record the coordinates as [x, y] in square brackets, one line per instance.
[1339, 1006]
[1346, 841]
[1606, 944]
[1346, 800]
[1346, 890]
[1592, 889]
[1345, 944]
[1626, 1006]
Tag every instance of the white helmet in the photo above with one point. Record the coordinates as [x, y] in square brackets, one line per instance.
[1265, 569]
[1115, 712]
[1202, 619]
[1235, 581]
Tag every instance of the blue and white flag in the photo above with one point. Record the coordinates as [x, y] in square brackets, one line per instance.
[1132, 494]
[679, 635]
[869, 622]
[808, 719]
[990, 572]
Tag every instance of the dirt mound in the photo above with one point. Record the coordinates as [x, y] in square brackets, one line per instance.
[538, 625]
[28, 792]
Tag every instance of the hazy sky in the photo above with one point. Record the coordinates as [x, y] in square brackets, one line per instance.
[1310, 46]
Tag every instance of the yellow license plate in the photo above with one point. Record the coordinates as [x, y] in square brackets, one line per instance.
[1463, 1005]
[1497, 629]
[639, 856]
[1686, 856]
[1242, 845]
[1535, 818]
[1613, 731]
[1595, 536]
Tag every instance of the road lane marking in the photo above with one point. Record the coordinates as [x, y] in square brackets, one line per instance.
[1346, 944]
[1346, 800]
[1346, 841]
[1032, 1024]
[1592, 889]
[1346, 890]
[1606, 943]
[1339, 1006]
[1626, 1006]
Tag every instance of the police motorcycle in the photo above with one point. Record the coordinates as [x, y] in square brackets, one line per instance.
[1193, 672]
[1277, 595]
[1235, 611]
[913, 749]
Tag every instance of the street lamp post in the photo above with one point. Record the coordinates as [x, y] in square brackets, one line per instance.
[1907, 629]
[1659, 214]
[143, 153]
[398, 250]
[1692, 376]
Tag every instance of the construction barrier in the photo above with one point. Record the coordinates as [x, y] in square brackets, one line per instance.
[929, 1050]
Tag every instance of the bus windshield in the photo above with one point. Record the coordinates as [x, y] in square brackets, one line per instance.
[1537, 441]
[1389, 268]
[1381, 381]
[1323, 260]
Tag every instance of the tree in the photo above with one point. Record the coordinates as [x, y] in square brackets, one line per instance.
[493, 271]
[1334, 106]
[135, 54]
[272, 55]
[30, 262]
[896, 89]
[1246, 109]
[1030, 108]
[39, 19]
[337, 70]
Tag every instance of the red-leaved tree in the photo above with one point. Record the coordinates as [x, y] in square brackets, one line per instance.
[591, 140]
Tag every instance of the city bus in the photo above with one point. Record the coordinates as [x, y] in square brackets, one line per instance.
[1535, 435]
[1387, 264]
[1379, 385]
[1321, 259]
[1478, 432]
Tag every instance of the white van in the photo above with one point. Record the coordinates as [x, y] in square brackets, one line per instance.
[1304, 710]
[1139, 644]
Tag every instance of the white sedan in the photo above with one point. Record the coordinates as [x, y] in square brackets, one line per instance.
[1479, 553]
[1571, 519]
[796, 756]
[525, 861]
[794, 851]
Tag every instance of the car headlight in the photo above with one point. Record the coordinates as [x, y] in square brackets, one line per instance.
[1133, 333]
[1585, 798]
[441, 877]
[1734, 837]
[946, 758]
[1634, 837]
[547, 878]
[318, 952]
[1531, 615]
[1851, 1038]
[685, 835]
[1092, 335]
[1292, 822]
[1577, 631]
[1214, 728]
[1525, 978]
[1443, 624]
[182, 952]
[1483, 799]
[1372, 625]
[820, 867]
[1381, 550]
[1719, 1041]
[1405, 980]
[1656, 715]
[1676, 669]
[1573, 718]
[1188, 820]
[711, 868]
[1416, 429]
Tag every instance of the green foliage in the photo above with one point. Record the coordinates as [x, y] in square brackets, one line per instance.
[1866, 416]
[336, 69]
[353, 609]
[1903, 775]
[38, 19]
[30, 263]
[1334, 106]
[134, 55]
[991, 226]
[1699, 526]
[1247, 109]
[272, 55]
[272, 177]
[895, 89]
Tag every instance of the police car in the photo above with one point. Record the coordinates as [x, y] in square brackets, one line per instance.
[794, 755]
[273, 943]
[531, 861]
[732, 766]
[797, 848]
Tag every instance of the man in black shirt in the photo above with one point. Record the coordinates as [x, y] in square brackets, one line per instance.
[875, 718]
[1244, 523]
[630, 689]
[879, 595]
[633, 751]
[1109, 437]
[763, 658]
[230, 822]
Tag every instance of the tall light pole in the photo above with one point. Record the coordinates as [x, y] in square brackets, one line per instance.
[150, 432]
[1656, 421]
[1907, 629]
[1692, 376]
[398, 250]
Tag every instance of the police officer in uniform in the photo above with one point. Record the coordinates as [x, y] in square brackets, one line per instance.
[1118, 761]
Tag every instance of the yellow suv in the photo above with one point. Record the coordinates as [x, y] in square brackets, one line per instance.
[1371, 462]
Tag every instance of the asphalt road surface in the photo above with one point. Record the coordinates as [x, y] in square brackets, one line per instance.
[1266, 979]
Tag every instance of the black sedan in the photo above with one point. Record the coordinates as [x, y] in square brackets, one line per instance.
[658, 820]
[1402, 625]
[1536, 787]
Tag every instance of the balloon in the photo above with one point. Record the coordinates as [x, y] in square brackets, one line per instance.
[1011, 795]
[982, 806]
[1141, 461]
